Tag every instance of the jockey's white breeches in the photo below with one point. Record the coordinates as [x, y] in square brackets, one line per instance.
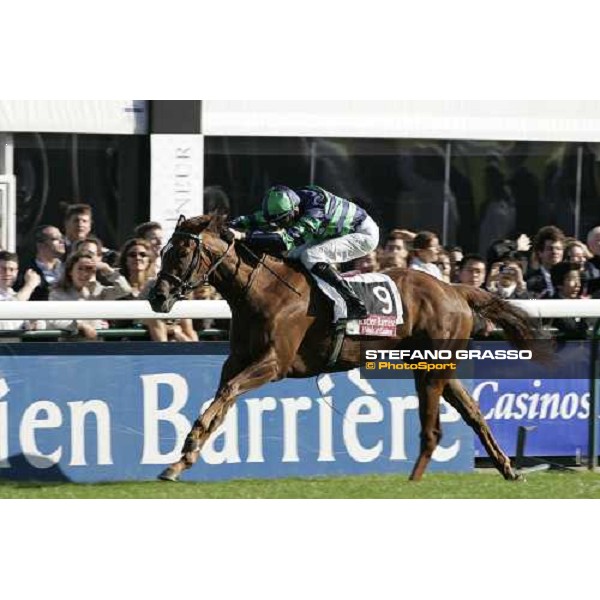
[341, 249]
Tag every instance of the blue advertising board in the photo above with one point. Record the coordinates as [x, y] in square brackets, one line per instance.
[558, 409]
[556, 403]
[120, 411]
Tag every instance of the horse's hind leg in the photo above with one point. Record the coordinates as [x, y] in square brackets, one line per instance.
[233, 383]
[458, 397]
[429, 391]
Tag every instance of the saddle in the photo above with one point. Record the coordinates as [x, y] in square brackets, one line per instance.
[381, 297]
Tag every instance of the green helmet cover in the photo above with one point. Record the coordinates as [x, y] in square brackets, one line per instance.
[279, 202]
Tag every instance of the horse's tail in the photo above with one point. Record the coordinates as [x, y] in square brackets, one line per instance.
[520, 330]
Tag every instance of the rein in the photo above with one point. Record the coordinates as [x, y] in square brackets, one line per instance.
[183, 285]
[261, 261]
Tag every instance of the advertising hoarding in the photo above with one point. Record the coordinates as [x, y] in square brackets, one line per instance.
[120, 411]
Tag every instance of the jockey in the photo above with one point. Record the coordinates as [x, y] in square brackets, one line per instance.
[315, 227]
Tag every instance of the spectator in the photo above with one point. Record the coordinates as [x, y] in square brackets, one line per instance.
[136, 262]
[499, 250]
[79, 282]
[426, 247]
[47, 262]
[548, 248]
[210, 328]
[78, 223]
[506, 280]
[78, 226]
[395, 250]
[566, 280]
[577, 253]
[456, 255]
[369, 263]
[444, 265]
[152, 232]
[593, 245]
[169, 330]
[9, 269]
[93, 245]
[90, 244]
[472, 270]
[137, 266]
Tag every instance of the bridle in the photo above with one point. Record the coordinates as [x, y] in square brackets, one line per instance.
[181, 286]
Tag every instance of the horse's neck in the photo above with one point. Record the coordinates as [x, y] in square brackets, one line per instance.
[236, 279]
[232, 278]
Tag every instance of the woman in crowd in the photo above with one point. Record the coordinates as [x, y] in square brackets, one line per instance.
[444, 265]
[79, 282]
[137, 263]
[566, 279]
[577, 253]
[426, 247]
[94, 246]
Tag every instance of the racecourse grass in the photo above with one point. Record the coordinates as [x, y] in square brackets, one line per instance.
[548, 484]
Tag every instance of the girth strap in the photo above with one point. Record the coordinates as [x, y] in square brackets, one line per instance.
[338, 341]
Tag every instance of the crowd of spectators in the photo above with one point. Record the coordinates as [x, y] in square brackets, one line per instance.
[551, 266]
[77, 266]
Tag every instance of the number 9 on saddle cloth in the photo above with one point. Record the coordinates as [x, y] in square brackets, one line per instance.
[380, 297]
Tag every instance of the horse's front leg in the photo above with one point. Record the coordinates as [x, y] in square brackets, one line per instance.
[234, 381]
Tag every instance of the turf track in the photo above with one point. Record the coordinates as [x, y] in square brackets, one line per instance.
[549, 484]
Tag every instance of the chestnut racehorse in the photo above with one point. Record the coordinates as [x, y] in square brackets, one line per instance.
[281, 327]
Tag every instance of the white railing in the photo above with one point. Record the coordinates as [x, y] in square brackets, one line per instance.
[218, 309]
[112, 309]
[545, 309]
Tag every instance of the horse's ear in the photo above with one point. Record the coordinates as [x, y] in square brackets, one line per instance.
[180, 221]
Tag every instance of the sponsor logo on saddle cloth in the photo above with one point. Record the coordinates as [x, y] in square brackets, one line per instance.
[381, 297]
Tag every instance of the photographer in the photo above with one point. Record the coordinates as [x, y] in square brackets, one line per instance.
[506, 280]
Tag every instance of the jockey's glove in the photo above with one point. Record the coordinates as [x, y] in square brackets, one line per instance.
[231, 234]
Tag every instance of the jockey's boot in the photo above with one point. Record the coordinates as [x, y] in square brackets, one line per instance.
[355, 306]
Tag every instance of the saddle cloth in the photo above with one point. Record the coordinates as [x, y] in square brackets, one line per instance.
[381, 297]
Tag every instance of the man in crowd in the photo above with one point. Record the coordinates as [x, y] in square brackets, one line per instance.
[395, 252]
[9, 268]
[548, 247]
[472, 270]
[506, 280]
[78, 223]
[47, 262]
[78, 226]
[593, 264]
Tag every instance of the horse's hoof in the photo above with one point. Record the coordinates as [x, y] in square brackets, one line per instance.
[169, 475]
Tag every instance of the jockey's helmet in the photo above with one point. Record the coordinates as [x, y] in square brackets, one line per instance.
[279, 203]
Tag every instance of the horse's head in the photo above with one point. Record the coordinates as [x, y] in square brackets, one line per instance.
[187, 259]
